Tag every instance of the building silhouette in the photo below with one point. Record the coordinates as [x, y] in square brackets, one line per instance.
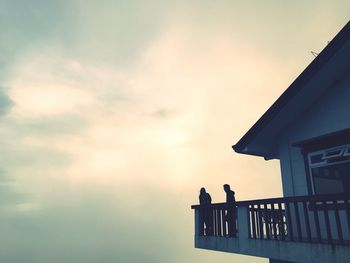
[308, 130]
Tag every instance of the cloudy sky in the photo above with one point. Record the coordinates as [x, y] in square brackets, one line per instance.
[114, 114]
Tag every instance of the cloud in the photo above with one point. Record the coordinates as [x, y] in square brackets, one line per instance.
[26, 26]
[115, 113]
[77, 126]
[103, 178]
[102, 226]
[5, 103]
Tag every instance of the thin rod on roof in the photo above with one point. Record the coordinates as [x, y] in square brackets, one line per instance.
[315, 54]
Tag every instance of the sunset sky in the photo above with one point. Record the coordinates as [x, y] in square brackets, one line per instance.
[115, 113]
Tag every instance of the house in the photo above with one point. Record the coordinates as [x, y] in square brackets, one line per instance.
[308, 130]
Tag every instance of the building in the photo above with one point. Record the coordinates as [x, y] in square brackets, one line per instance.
[308, 130]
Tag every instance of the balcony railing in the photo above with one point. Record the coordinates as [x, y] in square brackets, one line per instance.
[312, 219]
[217, 220]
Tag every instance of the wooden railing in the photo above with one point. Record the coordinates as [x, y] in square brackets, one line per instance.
[319, 219]
[313, 219]
[217, 220]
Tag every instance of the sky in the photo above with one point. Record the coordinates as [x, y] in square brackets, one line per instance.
[113, 114]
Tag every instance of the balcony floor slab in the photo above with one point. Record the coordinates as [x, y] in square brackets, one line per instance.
[281, 250]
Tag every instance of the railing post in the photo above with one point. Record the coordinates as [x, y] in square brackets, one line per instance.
[196, 223]
[243, 222]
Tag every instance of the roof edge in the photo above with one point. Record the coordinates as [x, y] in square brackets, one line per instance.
[326, 54]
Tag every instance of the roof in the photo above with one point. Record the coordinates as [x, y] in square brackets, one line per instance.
[248, 144]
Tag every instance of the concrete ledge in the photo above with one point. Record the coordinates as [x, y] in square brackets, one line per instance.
[280, 250]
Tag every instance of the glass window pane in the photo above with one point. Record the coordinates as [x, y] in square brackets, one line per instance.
[332, 179]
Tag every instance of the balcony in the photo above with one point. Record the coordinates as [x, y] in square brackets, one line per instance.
[297, 229]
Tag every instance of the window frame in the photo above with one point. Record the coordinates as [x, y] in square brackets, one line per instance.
[344, 149]
[326, 141]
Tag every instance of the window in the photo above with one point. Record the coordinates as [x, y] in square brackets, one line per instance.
[330, 170]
